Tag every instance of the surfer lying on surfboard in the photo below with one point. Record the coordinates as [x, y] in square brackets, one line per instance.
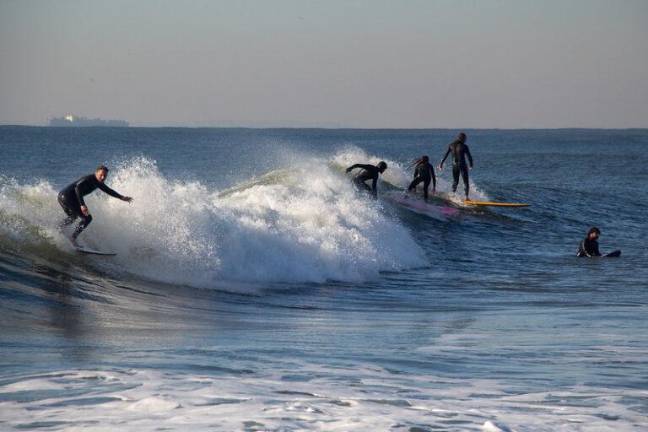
[71, 199]
[369, 172]
[589, 246]
[459, 151]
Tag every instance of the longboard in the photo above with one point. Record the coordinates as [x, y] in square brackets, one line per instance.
[93, 252]
[418, 205]
[494, 204]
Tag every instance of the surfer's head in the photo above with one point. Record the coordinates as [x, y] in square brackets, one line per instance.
[593, 233]
[382, 166]
[461, 137]
[425, 158]
[101, 172]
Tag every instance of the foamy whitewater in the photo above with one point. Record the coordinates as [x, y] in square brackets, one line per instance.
[303, 224]
[255, 289]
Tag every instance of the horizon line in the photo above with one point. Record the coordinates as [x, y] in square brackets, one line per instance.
[323, 127]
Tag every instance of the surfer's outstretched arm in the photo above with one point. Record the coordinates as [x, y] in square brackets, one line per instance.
[362, 166]
[114, 193]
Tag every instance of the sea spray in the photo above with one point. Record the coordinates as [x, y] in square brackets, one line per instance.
[305, 223]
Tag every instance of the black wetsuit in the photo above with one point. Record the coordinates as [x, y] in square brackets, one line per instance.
[588, 248]
[424, 172]
[370, 172]
[459, 152]
[71, 199]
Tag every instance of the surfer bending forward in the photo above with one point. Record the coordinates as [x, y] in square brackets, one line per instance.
[423, 172]
[71, 199]
[459, 151]
[369, 172]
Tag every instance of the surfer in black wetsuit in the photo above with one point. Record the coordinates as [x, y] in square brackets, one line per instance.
[589, 247]
[369, 172]
[71, 199]
[423, 172]
[459, 151]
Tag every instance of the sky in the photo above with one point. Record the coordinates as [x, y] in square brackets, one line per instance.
[301, 63]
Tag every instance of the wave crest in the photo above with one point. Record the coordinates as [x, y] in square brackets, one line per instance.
[305, 223]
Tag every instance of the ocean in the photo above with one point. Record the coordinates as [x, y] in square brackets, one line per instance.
[254, 289]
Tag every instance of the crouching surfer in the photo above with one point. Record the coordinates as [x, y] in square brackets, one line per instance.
[369, 172]
[589, 246]
[71, 199]
[423, 172]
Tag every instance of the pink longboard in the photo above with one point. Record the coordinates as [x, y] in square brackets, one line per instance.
[418, 205]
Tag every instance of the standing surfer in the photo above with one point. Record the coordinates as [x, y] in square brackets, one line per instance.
[71, 199]
[459, 151]
[369, 172]
[423, 172]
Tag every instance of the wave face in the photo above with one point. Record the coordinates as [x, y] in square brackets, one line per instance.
[305, 223]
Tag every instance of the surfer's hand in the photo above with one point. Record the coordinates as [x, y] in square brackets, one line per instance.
[127, 199]
[348, 169]
[84, 210]
[441, 167]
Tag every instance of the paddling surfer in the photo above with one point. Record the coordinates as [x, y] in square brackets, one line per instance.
[71, 199]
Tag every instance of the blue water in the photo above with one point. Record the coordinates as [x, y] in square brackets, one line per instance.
[255, 289]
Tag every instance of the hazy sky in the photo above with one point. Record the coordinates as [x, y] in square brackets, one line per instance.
[392, 64]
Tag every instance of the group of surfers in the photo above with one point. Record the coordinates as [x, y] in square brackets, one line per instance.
[423, 170]
[71, 197]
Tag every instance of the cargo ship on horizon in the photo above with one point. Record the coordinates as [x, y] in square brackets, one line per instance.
[71, 120]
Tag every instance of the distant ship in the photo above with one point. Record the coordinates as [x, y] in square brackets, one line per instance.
[76, 121]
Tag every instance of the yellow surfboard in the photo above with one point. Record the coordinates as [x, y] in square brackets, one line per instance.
[494, 204]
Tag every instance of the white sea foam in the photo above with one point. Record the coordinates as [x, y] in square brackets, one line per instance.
[346, 399]
[305, 223]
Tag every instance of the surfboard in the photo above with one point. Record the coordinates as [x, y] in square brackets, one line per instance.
[494, 204]
[93, 252]
[418, 205]
[615, 254]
